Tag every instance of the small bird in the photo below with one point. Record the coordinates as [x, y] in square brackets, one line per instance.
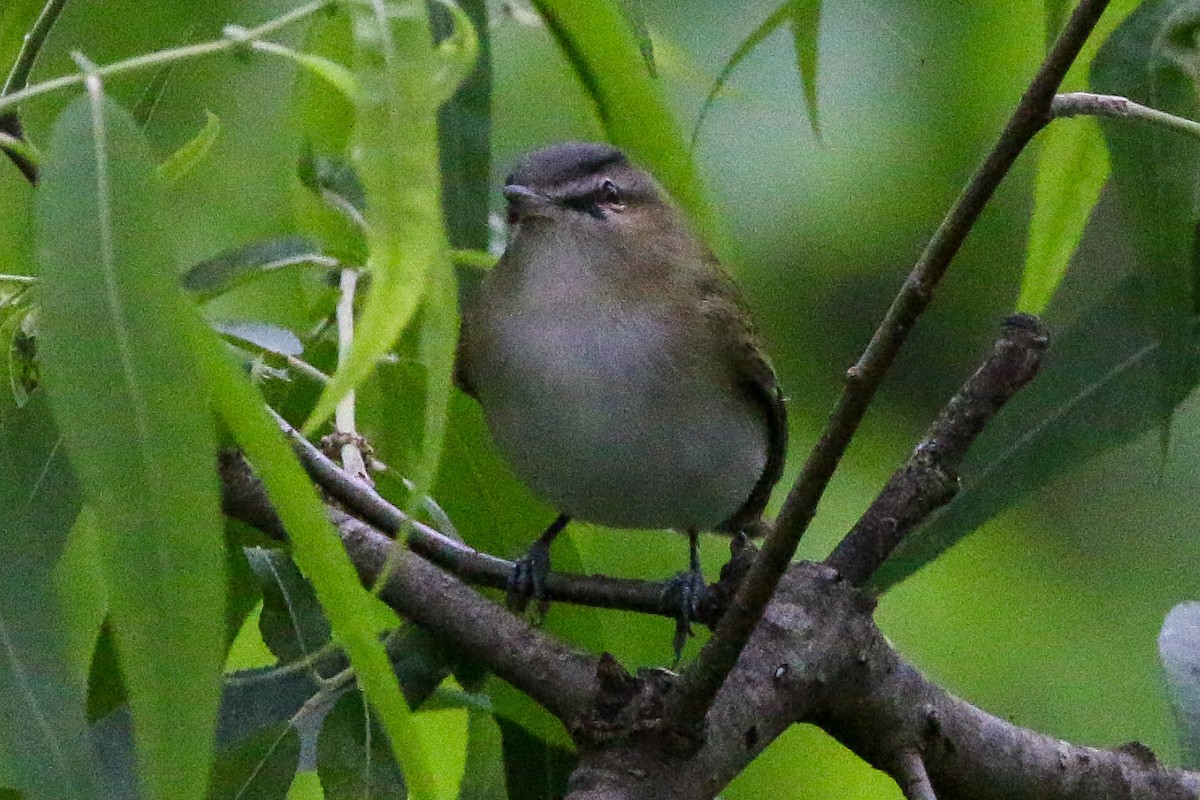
[616, 367]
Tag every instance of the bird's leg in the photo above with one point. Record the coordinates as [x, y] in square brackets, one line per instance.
[683, 593]
[528, 578]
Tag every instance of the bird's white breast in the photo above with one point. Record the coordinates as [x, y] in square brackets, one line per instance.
[611, 417]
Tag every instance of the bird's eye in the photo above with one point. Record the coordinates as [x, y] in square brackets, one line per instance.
[611, 196]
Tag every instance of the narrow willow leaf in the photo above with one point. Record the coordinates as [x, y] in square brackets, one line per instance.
[804, 18]
[395, 147]
[192, 152]
[1179, 651]
[806, 30]
[336, 75]
[1056, 16]
[483, 776]
[16, 18]
[317, 550]
[604, 53]
[534, 768]
[81, 593]
[439, 336]
[43, 728]
[227, 270]
[258, 699]
[465, 143]
[122, 386]
[457, 52]
[1152, 58]
[1072, 168]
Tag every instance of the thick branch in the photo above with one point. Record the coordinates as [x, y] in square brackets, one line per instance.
[557, 677]
[701, 681]
[817, 657]
[930, 477]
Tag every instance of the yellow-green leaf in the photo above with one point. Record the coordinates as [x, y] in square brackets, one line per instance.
[395, 148]
[1072, 167]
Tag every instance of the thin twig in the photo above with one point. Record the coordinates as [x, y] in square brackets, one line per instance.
[699, 684]
[449, 554]
[343, 416]
[171, 55]
[1075, 104]
[929, 479]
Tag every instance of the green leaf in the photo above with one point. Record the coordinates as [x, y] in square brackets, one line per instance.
[804, 20]
[81, 593]
[354, 759]
[1072, 168]
[806, 30]
[439, 335]
[261, 766]
[317, 550]
[336, 75]
[123, 389]
[192, 152]
[292, 622]
[259, 699]
[18, 368]
[43, 728]
[534, 768]
[1152, 59]
[395, 147]
[457, 50]
[636, 17]
[230, 269]
[263, 335]
[604, 53]
[483, 776]
[465, 141]
[1179, 651]
[1097, 390]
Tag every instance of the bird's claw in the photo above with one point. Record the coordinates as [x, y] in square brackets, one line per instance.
[528, 580]
[681, 598]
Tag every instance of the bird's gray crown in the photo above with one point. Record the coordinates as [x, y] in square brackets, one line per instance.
[564, 164]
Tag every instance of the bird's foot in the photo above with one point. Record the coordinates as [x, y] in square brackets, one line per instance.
[681, 598]
[528, 580]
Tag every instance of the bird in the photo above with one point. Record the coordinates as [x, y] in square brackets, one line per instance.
[617, 368]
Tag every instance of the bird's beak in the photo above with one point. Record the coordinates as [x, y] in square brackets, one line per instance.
[522, 201]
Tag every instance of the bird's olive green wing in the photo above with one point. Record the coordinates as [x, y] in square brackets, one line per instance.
[754, 374]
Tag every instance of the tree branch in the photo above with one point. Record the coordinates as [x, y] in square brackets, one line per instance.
[930, 477]
[702, 680]
[818, 658]
[556, 676]
[462, 560]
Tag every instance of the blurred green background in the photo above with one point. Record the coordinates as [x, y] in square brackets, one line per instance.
[1048, 615]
